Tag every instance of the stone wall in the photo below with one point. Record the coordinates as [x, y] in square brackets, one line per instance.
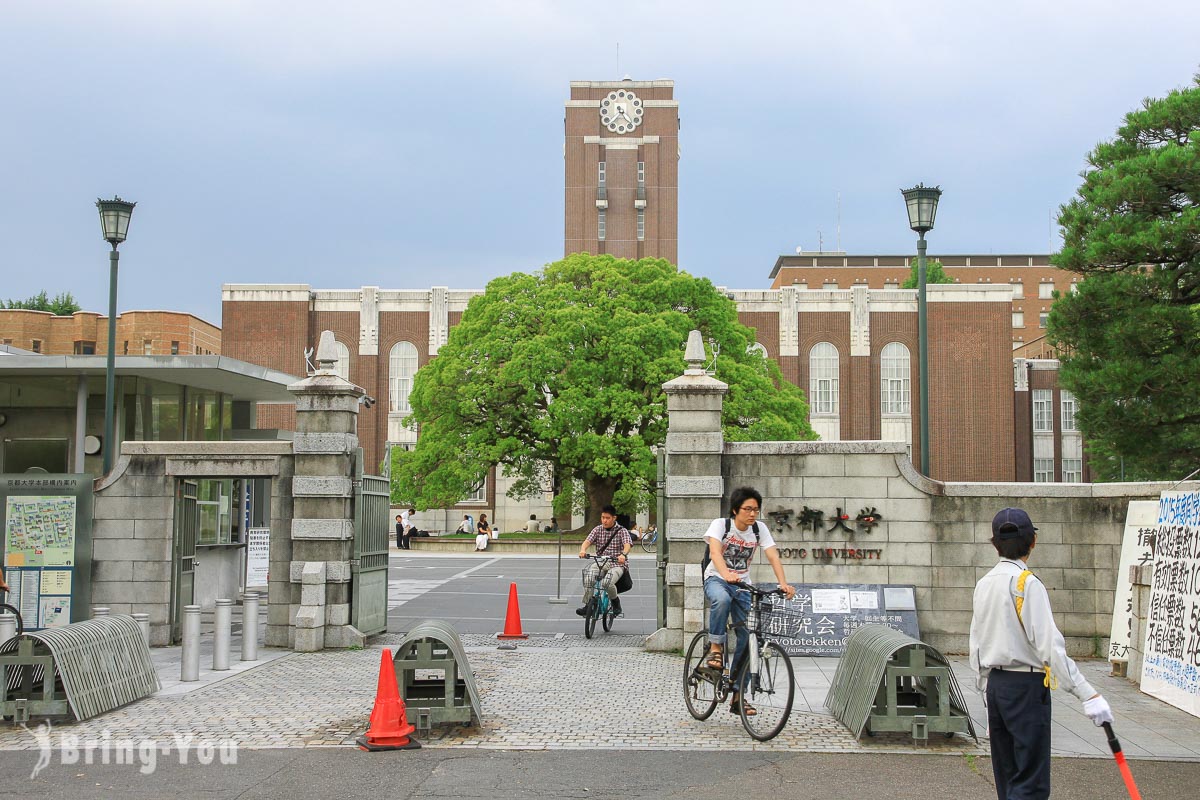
[930, 534]
[133, 531]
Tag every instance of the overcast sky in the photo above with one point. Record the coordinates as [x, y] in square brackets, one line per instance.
[405, 145]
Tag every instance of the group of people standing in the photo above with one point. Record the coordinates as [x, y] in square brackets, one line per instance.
[404, 529]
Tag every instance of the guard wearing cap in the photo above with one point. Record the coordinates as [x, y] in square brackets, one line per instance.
[1019, 657]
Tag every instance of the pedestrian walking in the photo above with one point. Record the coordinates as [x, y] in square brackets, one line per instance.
[1019, 657]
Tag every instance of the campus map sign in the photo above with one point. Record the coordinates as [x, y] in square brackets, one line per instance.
[819, 618]
[1171, 669]
[42, 518]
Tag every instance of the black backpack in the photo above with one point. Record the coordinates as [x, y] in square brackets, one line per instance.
[707, 558]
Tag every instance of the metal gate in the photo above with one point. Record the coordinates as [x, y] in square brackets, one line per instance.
[187, 525]
[369, 563]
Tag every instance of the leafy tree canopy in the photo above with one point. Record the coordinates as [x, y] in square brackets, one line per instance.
[557, 377]
[62, 305]
[933, 274]
[1130, 334]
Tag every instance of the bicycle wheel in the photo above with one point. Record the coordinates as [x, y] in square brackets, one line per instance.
[589, 619]
[609, 615]
[699, 682]
[770, 693]
[650, 543]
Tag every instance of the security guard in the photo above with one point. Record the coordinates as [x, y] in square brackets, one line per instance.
[1019, 656]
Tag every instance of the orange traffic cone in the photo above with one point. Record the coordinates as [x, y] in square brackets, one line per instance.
[389, 728]
[512, 620]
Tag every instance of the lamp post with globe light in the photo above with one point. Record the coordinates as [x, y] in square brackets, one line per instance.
[922, 203]
[114, 221]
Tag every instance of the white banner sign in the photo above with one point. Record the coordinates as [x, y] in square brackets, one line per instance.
[1171, 670]
[1141, 522]
[258, 551]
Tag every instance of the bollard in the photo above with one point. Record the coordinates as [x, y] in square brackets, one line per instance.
[222, 622]
[143, 621]
[250, 626]
[189, 666]
[8, 626]
[100, 611]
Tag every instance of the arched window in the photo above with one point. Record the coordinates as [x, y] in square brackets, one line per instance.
[402, 366]
[895, 379]
[342, 367]
[758, 347]
[823, 366]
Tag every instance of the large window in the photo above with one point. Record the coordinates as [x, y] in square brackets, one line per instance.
[1046, 290]
[823, 368]
[1072, 470]
[601, 175]
[641, 224]
[1018, 291]
[1018, 320]
[896, 379]
[1043, 410]
[1043, 470]
[402, 366]
[641, 174]
[1068, 411]
[600, 225]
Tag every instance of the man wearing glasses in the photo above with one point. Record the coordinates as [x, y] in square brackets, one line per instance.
[731, 545]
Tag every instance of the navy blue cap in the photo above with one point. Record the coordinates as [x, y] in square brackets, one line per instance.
[1011, 523]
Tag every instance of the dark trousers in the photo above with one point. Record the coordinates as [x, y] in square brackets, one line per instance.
[401, 538]
[1018, 707]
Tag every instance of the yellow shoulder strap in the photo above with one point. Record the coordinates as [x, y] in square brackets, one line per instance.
[1049, 681]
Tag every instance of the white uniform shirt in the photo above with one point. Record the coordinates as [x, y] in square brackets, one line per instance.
[998, 638]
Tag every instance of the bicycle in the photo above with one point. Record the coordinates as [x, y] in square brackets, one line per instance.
[6, 608]
[599, 607]
[765, 675]
[649, 541]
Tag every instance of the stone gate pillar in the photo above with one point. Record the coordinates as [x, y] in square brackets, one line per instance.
[694, 490]
[325, 447]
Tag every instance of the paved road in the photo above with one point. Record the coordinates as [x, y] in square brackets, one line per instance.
[471, 592]
[593, 774]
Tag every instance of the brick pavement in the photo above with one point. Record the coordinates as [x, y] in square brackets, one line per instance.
[557, 692]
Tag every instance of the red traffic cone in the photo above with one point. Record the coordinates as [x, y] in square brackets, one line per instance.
[512, 620]
[389, 728]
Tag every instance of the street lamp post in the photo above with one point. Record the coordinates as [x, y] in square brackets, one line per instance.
[114, 221]
[922, 202]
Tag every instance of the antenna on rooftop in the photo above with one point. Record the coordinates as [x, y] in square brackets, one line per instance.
[820, 242]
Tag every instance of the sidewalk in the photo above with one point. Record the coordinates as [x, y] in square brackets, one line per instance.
[557, 692]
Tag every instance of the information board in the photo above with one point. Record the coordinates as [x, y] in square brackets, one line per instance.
[1137, 547]
[258, 551]
[819, 618]
[46, 526]
[1171, 668]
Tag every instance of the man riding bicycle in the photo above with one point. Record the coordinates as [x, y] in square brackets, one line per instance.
[612, 540]
[731, 544]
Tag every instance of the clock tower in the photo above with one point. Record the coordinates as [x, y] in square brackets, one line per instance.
[622, 166]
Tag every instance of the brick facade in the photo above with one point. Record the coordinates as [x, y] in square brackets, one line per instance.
[151, 333]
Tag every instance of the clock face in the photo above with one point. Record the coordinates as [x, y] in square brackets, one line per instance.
[621, 111]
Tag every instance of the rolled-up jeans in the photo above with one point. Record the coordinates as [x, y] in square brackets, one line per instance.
[725, 600]
[612, 574]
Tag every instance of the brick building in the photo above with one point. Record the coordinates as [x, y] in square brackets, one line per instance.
[621, 156]
[853, 350]
[1033, 280]
[139, 333]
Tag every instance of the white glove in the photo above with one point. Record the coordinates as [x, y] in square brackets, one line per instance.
[1097, 710]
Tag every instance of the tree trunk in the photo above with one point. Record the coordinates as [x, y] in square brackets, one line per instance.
[600, 493]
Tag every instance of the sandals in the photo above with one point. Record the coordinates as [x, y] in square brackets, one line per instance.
[735, 707]
[715, 660]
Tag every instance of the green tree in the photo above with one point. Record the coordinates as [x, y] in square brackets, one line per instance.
[62, 305]
[933, 274]
[557, 377]
[1130, 334]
